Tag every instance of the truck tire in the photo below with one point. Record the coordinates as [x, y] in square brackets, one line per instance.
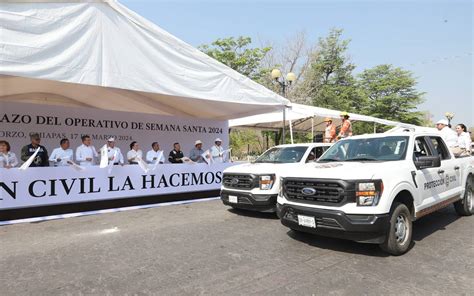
[399, 234]
[465, 206]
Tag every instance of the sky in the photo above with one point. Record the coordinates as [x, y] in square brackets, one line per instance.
[432, 38]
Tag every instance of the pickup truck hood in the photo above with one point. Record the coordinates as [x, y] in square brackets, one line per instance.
[260, 168]
[340, 170]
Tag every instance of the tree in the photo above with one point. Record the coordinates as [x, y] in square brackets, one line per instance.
[329, 81]
[238, 55]
[391, 94]
[293, 55]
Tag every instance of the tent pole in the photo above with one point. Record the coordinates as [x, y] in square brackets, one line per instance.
[312, 129]
[291, 131]
[375, 127]
[284, 123]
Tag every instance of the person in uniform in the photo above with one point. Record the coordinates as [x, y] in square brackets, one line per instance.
[176, 155]
[86, 153]
[346, 127]
[62, 156]
[134, 153]
[330, 134]
[113, 153]
[155, 153]
[7, 158]
[41, 159]
[217, 152]
[449, 136]
[196, 153]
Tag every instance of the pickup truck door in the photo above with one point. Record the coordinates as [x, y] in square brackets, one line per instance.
[450, 167]
[430, 181]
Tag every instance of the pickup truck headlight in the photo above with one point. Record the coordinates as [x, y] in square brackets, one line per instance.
[266, 182]
[368, 193]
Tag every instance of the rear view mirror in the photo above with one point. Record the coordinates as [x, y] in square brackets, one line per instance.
[424, 162]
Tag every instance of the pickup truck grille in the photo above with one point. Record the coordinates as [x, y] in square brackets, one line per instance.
[315, 191]
[239, 181]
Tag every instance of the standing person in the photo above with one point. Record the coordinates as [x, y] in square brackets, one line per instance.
[176, 155]
[330, 134]
[449, 136]
[463, 144]
[62, 156]
[196, 153]
[346, 127]
[7, 158]
[86, 153]
[217, 152]
[113, 153]
[41, 159]
[155, 154]
[134, 153]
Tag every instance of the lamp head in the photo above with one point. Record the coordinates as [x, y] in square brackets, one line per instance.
[276, 74]
[291, 77]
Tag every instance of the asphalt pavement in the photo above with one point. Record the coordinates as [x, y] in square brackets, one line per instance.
[205, 248]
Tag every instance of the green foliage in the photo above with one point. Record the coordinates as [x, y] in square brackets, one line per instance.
[246, 142]
[237, 54]
[329, 80]
[391, 94]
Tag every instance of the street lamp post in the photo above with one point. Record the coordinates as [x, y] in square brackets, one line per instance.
[284, 84]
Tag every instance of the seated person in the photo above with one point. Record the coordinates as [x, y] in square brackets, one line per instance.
[134, 154]
[7, 158]
[176, 155]
[42, 158]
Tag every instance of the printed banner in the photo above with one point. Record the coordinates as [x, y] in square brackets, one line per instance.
[59, 185]
[18, 120]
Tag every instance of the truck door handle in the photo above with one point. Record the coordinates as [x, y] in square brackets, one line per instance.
[456, 168]
[440, 171]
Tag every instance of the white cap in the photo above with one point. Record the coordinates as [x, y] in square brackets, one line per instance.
[218, 140]
[197, 142]
[111, 139]
[443, 121]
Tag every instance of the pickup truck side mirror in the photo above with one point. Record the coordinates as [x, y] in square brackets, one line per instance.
[424, 162]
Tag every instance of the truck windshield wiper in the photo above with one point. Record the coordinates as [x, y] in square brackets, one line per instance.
[361, 159]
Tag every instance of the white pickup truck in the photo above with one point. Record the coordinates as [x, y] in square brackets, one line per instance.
[254, 186]
[371, 188]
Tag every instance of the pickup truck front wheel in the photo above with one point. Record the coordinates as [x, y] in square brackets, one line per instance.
[465, 207]
[400, 231]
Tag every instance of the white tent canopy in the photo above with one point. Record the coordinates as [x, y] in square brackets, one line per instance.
[103, 55]
[304, 118]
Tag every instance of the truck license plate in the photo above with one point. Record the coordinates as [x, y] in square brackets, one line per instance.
[306, 221]
[233, 199]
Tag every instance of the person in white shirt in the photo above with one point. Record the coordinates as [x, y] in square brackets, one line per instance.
[155, 154]
[449, 136]
[86, 153]
[62, 156]
[134, 153]
[463, 144]
[217, 152]
[113, 153]
[7, 158]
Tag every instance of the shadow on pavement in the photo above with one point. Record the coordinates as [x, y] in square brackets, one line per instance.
[253, 214]
[339, 245]
[434, 222]
[422, 228]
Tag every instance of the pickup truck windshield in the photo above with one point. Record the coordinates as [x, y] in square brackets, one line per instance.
[370, 149]
[282, 155]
